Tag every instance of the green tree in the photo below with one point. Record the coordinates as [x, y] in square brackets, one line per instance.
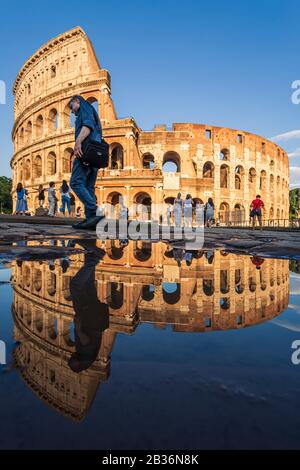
[294, 202]
[5, 195]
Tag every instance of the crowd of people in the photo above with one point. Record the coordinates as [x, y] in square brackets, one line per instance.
[183, 212]
[63, 195]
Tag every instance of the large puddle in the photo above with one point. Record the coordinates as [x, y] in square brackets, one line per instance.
[143, 346]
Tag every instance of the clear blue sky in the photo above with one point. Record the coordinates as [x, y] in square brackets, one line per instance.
[228, 62]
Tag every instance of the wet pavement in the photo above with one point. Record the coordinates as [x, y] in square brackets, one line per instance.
[140, 345]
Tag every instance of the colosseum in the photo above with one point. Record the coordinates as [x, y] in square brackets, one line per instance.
[140, 283]
[146, 167]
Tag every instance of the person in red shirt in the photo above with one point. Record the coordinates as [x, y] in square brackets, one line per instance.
[256, 206]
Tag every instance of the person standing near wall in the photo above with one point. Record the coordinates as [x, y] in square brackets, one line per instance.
[65, 197]
[178, 204]
[52, 199]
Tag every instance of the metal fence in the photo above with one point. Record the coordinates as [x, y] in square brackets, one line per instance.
[239, 219]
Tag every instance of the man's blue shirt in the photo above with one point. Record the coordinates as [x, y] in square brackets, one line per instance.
[87, 117]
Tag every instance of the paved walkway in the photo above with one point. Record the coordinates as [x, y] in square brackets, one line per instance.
[268, 243]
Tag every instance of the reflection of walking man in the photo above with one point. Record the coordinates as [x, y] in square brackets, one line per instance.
[91, 315]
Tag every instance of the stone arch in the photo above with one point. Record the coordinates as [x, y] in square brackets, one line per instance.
[272, 183]
[66, 288]
[52, 120]
[148, 161]
[171, 163]
[171, 292]
[37, 166]
[143, 203]
[114, 199]
[252, 177]
[142, 250]
[29, 131]
[271, 213]
[208, 170]
[208, 287]
[27, 169]
[224, 212]
[148, 292]
[51, 284]
[39, 126]
[239, 177]
[224, 176]
[225, 155]
[116, 295]
[238, 213]
[263, 180]
[68, 157]
[51, 164]
[37, 280]
[94, 102]
[116, 157]
[22, 136]
[224, 281]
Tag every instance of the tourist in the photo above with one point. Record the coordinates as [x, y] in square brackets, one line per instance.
[41, 196]
[52, 199]
[256, 206]
[188, 211]
[199, 214]
[65, 197]
[72, 204]
[257, 261]
[83, 178]
[21, 200]
[168, 214]
[178, 204]
[209, 211]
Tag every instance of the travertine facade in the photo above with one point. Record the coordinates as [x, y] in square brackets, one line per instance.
[140, 283]
[232, 166]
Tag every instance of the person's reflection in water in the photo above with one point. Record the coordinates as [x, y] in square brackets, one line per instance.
[91, 315]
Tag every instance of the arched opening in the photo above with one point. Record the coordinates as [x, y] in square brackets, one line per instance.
[271, 213]
[252, 178]
[39, 126]
[94, 102]
[238, 213]
[171, 163]
[37, 166]
[263, 180]
[208, 170]
[148, 292]
[53, 120]
[239, 177]
[37, 280]
[68, 158]
[272, 184]
[27, 172]
[224, 213]
[148, 161]
[142, 250]
[117, 157]
[116, 295]
[66, 288]
[51, 164]
[38, 316]
[114, 200]
[68, 117]
[224, 281]
[238, 282]
[224, 176]
[208, 287]
[22, 136]
[29, 131]
[143, 206]
[51, 284]
[225, 155]
[171, 292]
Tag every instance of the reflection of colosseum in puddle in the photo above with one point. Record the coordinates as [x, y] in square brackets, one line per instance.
[141, 283]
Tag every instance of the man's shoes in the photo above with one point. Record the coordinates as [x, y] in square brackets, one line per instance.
[89, 224]
[79, 223]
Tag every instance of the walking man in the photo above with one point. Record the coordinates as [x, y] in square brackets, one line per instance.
[83, 178]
